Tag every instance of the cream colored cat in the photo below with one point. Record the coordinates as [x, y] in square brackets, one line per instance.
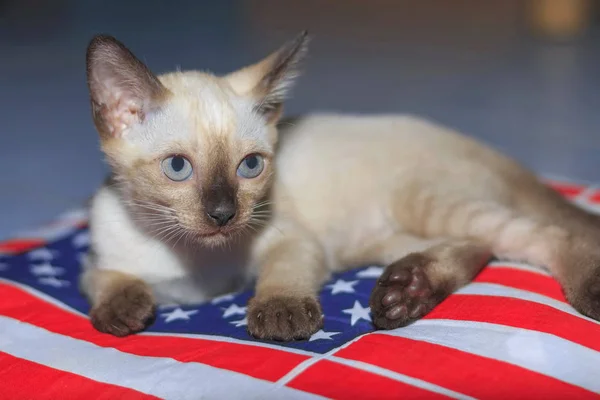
[204, 196]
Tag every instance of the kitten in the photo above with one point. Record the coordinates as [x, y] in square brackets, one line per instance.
[197, 162]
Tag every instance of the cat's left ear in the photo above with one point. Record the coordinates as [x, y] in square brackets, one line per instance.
[269, 81]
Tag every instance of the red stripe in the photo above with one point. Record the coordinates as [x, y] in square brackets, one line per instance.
[595, 197]
[456, 370]
[567, 189]
[524, 280]
[259, 362]
[20, 245]
[521, 314]
[337, 381]
[23, 379]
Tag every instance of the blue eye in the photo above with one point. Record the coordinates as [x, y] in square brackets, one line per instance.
[177, 168]
[251, 166]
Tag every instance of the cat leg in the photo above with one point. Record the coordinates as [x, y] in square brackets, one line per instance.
[291, 271]
[577, 265]
[424, 273]
[121, 303]
[572, 254]
[560, 237]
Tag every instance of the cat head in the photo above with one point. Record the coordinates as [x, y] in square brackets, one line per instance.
[191, 152]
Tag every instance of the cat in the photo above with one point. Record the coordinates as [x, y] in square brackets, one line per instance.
[211, 187]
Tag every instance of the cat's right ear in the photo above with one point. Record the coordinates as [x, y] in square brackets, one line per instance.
[122, 89]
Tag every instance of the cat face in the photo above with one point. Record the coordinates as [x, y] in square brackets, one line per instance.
[191, 152]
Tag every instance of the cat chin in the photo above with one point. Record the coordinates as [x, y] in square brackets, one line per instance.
[216, 239]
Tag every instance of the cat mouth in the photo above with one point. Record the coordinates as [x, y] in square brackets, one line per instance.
[224, 232]
[212, 234]
[213, 238]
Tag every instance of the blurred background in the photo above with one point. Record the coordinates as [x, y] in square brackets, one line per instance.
[520, 74]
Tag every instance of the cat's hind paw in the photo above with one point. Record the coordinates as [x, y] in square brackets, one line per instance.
[403, 293]
[586, 299]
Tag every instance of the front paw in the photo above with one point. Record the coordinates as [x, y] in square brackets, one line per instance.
[130, 309]
[284, 318]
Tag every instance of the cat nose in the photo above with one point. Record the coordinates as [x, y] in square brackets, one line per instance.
[222, 214]
[219, 200]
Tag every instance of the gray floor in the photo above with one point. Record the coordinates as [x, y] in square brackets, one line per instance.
[472, 65]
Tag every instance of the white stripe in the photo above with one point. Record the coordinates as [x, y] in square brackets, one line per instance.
[537, 351]
[518, 266]
[591, 207]
[492, 289]
[585, 194]
[162, 377]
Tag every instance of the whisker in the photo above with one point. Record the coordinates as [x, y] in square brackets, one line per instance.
[163, 232]
[262, 203]
[157, 225]
[261, 220]
[154, 207]
[159, 232]
[181, 233]
[152, 217]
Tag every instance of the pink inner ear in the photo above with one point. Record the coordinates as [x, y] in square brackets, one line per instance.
[121, 113]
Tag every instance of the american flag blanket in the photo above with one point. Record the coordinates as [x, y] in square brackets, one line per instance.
[509, 334]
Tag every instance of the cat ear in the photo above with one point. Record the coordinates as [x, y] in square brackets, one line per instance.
[270, 80]
[122, 88]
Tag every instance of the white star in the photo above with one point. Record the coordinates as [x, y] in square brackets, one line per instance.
[358, 312]
[178, 313]
[241, 322]
[342, 286]
[233, 309]
[220, 299]
[42, 254]
[371, 272]
[46, 269]
[81, 239]
[322, 335]
[52, 281]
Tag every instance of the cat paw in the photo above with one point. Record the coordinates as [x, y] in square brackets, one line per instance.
[586, 299]
[129, 310]
[403, 293]
[284, 318]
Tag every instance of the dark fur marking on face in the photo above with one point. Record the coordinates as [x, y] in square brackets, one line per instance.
[219, 196]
